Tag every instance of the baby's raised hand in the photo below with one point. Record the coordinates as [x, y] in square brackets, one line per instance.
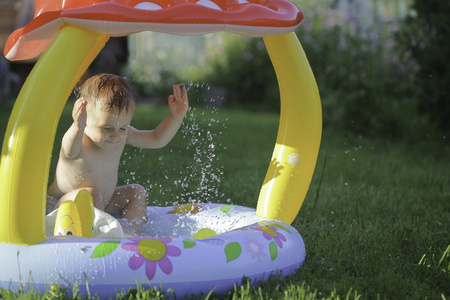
[79, 113]
[178, 102]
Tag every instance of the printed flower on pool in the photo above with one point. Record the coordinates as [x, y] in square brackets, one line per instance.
[151, 252]
[191, 208]
[270, 232]
[254, 248]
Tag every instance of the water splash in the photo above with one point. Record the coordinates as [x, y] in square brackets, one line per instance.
[198, 174]
[202, 176]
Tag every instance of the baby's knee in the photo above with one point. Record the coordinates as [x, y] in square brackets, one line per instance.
[138, 190]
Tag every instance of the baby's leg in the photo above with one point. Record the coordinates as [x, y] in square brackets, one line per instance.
[51, 204]
[129, 202]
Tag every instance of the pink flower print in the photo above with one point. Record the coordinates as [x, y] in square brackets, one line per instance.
[153, 252]
[271, 232]
[254, 248]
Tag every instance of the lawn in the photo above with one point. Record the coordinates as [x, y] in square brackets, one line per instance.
[375, 222]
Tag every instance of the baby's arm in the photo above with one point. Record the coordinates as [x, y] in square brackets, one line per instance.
[72, 140]
[166, 130]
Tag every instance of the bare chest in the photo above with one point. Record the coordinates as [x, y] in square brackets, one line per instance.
[98, 169]
[100, 164]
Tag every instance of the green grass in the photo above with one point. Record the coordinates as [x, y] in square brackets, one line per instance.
[375, 222]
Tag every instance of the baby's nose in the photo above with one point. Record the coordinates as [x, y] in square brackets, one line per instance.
[114, 134]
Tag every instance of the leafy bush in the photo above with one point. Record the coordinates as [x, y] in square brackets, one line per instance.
[365, 86]
[425, 39]
[150, 80]
[246, 72]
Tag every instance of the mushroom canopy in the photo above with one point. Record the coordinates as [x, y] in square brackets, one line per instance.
[122, 17]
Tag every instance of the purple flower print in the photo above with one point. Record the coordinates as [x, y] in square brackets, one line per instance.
[153, 252]
[254, 248]
[270, 232]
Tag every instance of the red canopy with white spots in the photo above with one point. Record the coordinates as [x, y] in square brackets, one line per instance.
[123, 17]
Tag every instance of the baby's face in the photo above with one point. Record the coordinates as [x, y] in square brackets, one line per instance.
[107, 129]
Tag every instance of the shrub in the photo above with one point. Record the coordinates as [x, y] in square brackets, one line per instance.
[425, 39]
[362, 82]
[149, 79]
[364, 85]
[246, 72]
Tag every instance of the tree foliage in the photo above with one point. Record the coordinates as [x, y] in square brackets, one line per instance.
[425, 39]
[247, 73]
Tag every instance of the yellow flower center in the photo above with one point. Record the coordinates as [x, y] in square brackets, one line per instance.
[152, 250]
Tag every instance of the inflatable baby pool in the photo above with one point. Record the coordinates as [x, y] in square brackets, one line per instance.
[191, 249]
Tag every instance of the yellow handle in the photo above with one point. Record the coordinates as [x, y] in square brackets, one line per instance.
[300, 130]
[29, 137]
[68, 220]
[85, 205]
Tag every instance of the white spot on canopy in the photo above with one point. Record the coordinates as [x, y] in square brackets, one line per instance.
[147, 6]
[209, 4]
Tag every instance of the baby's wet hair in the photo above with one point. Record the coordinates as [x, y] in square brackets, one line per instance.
[112, 91]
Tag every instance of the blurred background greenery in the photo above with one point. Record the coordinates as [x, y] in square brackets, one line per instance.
[380, 65]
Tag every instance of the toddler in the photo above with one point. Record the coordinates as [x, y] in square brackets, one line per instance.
[91, 148]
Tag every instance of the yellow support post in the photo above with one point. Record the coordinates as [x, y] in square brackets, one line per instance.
[299, 134]
[29, 138]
